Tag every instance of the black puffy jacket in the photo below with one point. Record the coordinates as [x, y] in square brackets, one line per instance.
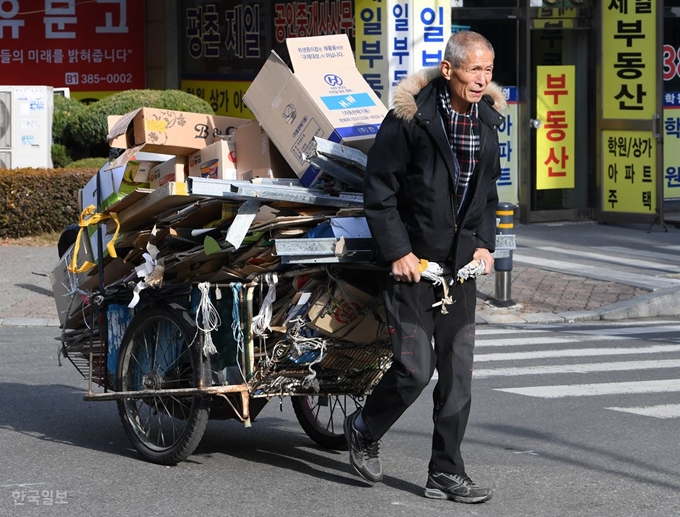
[408, 194]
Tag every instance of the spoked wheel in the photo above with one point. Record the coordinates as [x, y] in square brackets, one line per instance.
[156, 355]
[322, 417]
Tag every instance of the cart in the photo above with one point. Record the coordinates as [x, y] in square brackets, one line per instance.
[310, 328]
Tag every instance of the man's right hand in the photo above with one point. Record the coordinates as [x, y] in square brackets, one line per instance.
[405, 269]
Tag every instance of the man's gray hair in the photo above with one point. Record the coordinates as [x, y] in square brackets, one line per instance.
[461, 43]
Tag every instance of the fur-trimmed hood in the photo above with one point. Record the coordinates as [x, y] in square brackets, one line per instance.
[404, 103]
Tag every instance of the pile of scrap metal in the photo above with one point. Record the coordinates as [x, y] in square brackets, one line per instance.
[285, 271]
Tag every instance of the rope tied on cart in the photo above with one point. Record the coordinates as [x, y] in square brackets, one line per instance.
[89, 217]
[264, 316]
[207, 319]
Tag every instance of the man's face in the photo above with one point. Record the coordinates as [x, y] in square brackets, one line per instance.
[467, 83]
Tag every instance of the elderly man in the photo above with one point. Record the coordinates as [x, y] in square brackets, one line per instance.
[430, 198]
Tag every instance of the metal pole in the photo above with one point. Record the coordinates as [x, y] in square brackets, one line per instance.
[505, 213]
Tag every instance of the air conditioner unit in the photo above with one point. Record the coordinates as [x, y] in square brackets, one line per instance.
[26, 126]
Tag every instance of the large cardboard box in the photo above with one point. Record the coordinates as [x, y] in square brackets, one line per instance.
[258, 157]
[170, 132]
[324, 96]
[174, 169]
[216, 161]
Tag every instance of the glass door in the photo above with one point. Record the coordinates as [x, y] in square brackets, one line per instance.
[561, 180]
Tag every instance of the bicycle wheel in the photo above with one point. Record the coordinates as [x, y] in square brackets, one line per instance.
[322, 417]
[155, 355]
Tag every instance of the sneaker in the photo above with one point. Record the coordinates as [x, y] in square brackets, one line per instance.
[363, 451]
[455, 487]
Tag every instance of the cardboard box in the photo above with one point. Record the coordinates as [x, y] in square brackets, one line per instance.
[325, 96]
[258, 157]
[216, 161]
[174, 169]
[90, 194]
[171, 132]
[347, 313]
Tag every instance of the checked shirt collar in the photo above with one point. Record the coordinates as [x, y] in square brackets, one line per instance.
[463, 134]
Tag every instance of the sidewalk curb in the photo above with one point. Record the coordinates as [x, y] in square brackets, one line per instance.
[659, 303]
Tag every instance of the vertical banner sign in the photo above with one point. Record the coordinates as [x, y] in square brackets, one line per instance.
[629, 59]
[555, 106]
[507, 137]
[371, 45]
[630, 185]
[671, 109]
[399, 42]
[629, 72]
[431, 30]
[94, 48]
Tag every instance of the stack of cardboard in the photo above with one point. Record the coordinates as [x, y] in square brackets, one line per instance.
[231, 201]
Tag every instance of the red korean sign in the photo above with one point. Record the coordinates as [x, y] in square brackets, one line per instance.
[85, 45]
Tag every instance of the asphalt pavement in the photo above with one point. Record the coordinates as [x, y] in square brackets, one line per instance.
[561, 272]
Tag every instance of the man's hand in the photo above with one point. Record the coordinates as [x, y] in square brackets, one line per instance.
[483, 254]
[405, 269]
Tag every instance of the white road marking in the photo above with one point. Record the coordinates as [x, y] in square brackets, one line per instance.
[578, 352]
[575, 368]
[671, 329]
[589, 390]
[663, 411]
[541, 340]
[616, 259]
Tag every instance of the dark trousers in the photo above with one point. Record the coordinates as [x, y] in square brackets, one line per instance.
[413, 323]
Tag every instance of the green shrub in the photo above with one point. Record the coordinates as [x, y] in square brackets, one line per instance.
[60, 156]
[38, 201]
[90, 127]
[66, 110]
[88, 163]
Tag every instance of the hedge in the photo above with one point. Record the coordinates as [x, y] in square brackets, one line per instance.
[37, 201]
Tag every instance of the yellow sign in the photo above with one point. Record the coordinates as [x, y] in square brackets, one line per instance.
[225, 97]
[555, 108]
[671, 152]
[629, 172]
[629, 57]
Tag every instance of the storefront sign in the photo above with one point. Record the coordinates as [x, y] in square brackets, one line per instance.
[629, 175]
[89, 47]
[629, 59]
[555, 107]
[507, 136]
[224, 44]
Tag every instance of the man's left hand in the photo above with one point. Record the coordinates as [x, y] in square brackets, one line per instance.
[485, 255]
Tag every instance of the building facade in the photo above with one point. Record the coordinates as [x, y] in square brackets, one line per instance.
[593, 128]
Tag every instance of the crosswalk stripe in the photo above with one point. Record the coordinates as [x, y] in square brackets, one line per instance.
[662, 411]
[588, 390]
[648, 282]
[661, 258]
[615, 259]
[575, 368]
[629, 331]
[492, 331]
[540, 340]
[577, 352]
